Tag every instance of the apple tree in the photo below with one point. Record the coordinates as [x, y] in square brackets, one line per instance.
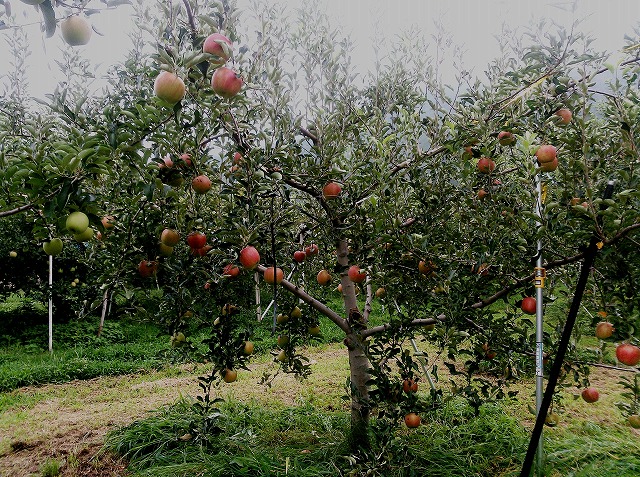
[402, 186]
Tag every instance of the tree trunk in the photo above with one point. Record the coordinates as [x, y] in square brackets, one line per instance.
[360, 410]
[358, 360]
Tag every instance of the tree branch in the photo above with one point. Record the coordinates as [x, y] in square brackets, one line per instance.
[318, 306]
[17, 210]
[417, 322]
[549, 266]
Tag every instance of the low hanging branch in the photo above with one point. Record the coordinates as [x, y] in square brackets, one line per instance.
[17, 210]
[549, 266]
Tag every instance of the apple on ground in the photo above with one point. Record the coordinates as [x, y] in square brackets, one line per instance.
[169, 87]
[412, 420]
[552, 419]
[76, 30]
[380, 292]
[249, 257]
[226, 82]
[528, 305]
[604, 330]
[634, 420]
[272, 275]
[590, 395]
[628, 354]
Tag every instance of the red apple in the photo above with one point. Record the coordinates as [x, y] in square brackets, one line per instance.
[226, 82]
[237, 158]
[486, 165]
[482, 194]
[201, 184]
[202, 251]
[249, 257]
[230, 270]
[299, 256]
[166, 162]
[528, 305]
[563, 116]
[604, 330]
[505, 138]
[311, 250]
[628, 354]
[273, 275]
[356, 275]
[214, 44]
[546, 153]
[147, 268]
[196, 240]
[331, 190]
[409, 386]
[186, 159]
[590, 395]
[549, 166]
[169, 237]
[169, 87]
[426, 268]
[324, 277]
[412, 420]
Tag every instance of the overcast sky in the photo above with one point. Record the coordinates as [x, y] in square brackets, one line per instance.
[472, 23]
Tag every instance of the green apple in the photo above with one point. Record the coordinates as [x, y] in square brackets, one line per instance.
[84, 236]
[77, 222]
[52, 247]
[13, 254]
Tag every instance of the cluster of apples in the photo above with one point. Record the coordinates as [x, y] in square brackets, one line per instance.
[169, 87]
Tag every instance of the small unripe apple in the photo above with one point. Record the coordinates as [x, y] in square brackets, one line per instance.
[76, 30]
[282, 356]
[13, 254]
[84, 236]
[226, 82]
[314, 330]
[282, 318]
[52, 247]
[165, 250]
[219, 45]
[108, 222]
[169, 87]
[296, 313]
[283, 340]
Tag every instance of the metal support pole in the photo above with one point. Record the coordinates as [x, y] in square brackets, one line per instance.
[50, 303]
[539, 283]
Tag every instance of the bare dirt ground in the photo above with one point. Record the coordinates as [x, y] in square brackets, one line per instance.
[68, 422]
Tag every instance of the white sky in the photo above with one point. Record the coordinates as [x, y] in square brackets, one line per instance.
[473, 24]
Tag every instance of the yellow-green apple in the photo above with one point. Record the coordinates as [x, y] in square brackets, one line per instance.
[77, 222]
[52, 247]
[76, 30]
[169, 87]
[169, 237]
